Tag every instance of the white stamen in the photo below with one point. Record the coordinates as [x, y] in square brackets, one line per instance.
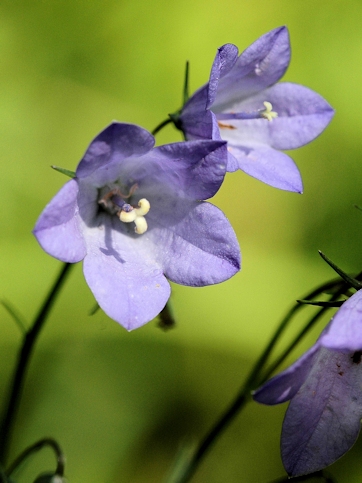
[268, 112]
[137, 216]
[141, 225]
[128, 216]
[144, 207]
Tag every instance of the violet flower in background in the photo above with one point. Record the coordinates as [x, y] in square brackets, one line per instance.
[243, 105]
[133, 215]
[324, 387]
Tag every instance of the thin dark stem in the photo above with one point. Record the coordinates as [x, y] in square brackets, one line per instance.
[161, 125]
[245, 393]
[25, 352]
[186, 96]
[60, 458]
[300, 335]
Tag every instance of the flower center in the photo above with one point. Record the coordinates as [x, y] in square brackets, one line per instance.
[114, 202]
[266, 113]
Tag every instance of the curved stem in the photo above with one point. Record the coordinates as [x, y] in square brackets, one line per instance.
[25, 352]
[161, 125]
[60, 458]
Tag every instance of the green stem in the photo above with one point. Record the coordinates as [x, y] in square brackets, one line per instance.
[301, 334]
[25, 352]
[244, 394]
[60, 458]
[161, 125]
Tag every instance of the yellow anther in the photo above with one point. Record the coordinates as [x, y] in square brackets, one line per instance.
[141, 225]
[127, 216]
[144, 207]
[136, 215]
[268, 112]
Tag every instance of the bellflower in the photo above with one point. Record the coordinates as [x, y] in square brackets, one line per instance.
[324, 387]
[243, 104]
[133, 215]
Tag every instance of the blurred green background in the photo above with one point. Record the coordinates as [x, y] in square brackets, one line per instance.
[121, 403]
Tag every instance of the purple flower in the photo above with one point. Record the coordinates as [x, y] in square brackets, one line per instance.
[133, 215]
[243, 105]
[324, 387]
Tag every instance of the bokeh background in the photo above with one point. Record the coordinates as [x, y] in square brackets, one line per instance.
[121, 403]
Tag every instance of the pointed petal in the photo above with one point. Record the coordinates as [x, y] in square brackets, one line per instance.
[266, 164]
[302, 116]
[345, 330]
[116, 142]
[123, 275]
[259, 66]
[285, 385]
[199, 246]
[323, 419]
[58, 229]
[225, 59]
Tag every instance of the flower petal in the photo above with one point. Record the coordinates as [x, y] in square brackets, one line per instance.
[225, 59]
[58, 227]
[259, 66]
[266, 164]
[345, 330]
[302, 116]
[197, 244]
[285, 385]
[197, 102]
[323, 420]
[123, 275]
[200, 125]
[114, 143]
[195, 169]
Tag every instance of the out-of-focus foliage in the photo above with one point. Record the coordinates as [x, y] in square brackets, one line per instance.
[120, 403]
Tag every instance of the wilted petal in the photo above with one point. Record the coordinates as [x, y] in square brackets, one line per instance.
[259, 66]
[123, 275]
[199, 247]
[266, 164]
[345, 330]
[58, 227]
[285, 385]
[323, 419]
[116, 142]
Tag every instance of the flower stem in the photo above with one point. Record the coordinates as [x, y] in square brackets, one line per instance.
[24, 355]
[184, 475]
[161, 125]
[60, 458]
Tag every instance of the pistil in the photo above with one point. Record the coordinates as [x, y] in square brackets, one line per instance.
[266, 113]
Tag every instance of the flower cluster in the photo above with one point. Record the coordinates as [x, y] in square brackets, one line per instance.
[324, 388]
[136, 214]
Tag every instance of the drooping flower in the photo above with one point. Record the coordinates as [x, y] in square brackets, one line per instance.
[133, 215]
[243, 104]
[324, 387]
